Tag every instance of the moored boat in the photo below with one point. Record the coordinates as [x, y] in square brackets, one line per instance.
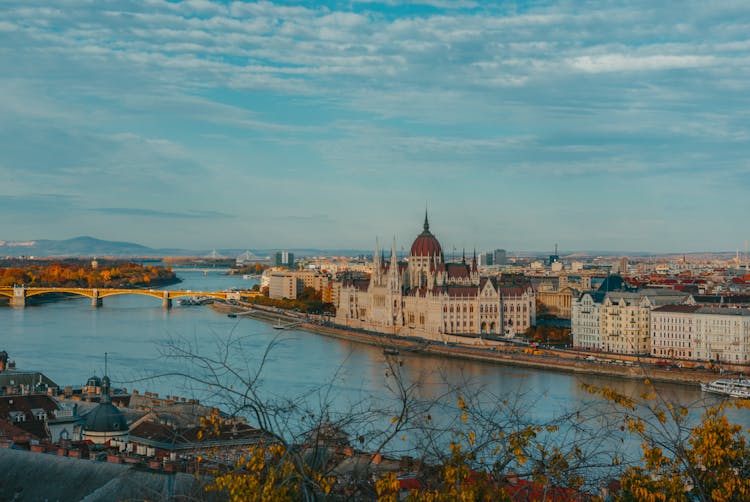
[739, 387]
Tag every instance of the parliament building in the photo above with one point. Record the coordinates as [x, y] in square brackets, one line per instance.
[428, 297]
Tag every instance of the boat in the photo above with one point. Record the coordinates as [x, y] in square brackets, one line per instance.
[739, 387]
[278, 324]
[389, 351]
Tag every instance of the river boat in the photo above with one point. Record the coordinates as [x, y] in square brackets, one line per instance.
[739, 387]
[278, 324]
[390, 351]
[194, 300]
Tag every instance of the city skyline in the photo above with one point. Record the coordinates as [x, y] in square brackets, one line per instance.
[284, 125]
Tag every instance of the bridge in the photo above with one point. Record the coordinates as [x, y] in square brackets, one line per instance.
[19, 294]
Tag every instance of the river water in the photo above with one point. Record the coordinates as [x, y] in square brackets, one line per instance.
[67, 340]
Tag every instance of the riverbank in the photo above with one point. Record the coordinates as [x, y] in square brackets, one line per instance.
[486, 351]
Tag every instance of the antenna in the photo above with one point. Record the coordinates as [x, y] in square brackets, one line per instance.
[105, 364]
[555, 248]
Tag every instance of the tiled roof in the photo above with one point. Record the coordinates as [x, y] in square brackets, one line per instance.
[458, 291]
[457, 270]
[25, 405]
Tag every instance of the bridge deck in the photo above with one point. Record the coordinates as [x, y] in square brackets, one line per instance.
[98, 293]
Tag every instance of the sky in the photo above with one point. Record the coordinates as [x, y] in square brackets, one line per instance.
[600, 125]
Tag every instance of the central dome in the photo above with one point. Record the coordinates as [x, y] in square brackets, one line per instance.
[106, 417]
[426, 244]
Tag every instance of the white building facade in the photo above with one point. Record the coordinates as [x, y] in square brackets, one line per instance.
[626, 318]
[701, 334]
[586, 322]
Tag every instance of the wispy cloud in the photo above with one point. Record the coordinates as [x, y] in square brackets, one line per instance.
[156, 213]
[247, 108]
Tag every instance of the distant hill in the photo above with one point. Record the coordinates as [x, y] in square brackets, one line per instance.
[91, 246]
[78, 246]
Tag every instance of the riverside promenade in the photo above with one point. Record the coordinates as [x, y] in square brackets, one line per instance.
[496, 352]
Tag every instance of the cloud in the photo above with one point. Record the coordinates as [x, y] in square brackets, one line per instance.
[156, 213]
[269, 107]
[622, 63]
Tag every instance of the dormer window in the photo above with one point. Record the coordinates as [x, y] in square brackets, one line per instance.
[39, 414]
[17, 416]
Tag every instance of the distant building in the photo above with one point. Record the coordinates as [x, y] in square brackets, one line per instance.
[282, 285]
[499, 257]
[557, 300]
[283, 259]
[429, 297]
[553, 258]
[486, 259]
[312, 279]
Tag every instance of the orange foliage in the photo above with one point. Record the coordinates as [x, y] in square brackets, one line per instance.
[79, 273]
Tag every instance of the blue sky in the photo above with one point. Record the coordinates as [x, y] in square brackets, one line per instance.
[600, 125]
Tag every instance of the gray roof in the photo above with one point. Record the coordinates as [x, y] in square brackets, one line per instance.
[105, 418]
[723, 311]
[37, 476]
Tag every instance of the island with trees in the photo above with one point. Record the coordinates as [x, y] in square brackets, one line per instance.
[81, 273]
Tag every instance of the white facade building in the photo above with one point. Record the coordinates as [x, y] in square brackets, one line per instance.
[626, 318]
[586, 322]
[701, 333]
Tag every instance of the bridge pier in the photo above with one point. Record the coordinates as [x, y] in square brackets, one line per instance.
[96, 302]
[166, 302]
[18, 300]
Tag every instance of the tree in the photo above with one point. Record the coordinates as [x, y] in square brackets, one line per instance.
[682, 461]
[470, 444]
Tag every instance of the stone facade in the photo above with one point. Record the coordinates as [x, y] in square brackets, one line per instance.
[626, 318]
[701, 333]
[429, 297]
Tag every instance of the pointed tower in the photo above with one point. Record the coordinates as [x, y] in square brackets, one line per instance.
[106, 421]
[376, 266]
[393, 276]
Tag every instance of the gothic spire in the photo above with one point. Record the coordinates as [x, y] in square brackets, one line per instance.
[376, 260]
[426, 222]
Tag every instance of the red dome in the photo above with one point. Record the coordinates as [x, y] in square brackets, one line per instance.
[426, 245]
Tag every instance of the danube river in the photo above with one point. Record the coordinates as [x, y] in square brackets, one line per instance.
[67, 340]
